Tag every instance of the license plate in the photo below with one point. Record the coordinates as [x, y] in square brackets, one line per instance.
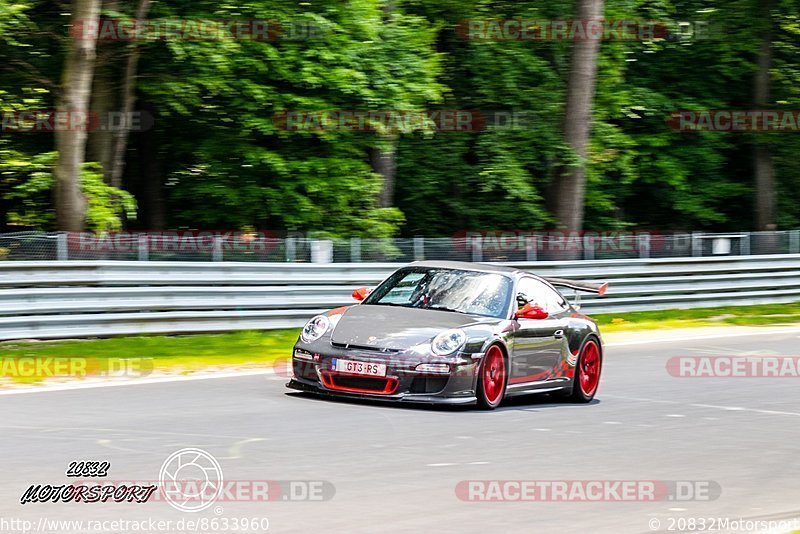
[359, 368]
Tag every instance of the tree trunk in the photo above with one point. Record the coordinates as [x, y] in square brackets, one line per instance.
[104, 100]
[128, 103]
[570, 187]
[76, 85]
[765, 197]
[151, 200]
[101, 141]
[382, 159]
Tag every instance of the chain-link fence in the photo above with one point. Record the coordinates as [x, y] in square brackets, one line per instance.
[473, 246]
[29, 246]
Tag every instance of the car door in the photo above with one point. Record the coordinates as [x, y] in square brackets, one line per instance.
[539, 344]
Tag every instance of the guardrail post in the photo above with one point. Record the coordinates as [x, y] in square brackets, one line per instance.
[644, 245]
[322, 251]
[531, 241]
[144, 248]
[794, 242]
[588, 248]
[744, 247]
[697, 244]
[477, 249]
[355, 250]
[62, 253]
[216, 252]
[291, 250]
[419, 248]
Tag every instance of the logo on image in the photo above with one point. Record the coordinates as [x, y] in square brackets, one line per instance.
[191, 480]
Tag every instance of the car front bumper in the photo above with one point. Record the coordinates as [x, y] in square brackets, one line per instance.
[402, 383]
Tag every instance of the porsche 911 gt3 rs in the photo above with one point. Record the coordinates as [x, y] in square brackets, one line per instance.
[453, 333]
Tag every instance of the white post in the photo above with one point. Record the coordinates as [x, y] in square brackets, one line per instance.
[477, 249]
[321, 251]
[144, 247]
[531, 242]
[744, 247]
[588, 248]
[697, 244]
[216, 253]
[419, 248]
[794, 242]
[62, 253]
[644, 245]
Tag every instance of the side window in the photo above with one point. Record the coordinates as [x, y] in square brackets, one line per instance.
[529, 290]
[533, 291]
[555, 302]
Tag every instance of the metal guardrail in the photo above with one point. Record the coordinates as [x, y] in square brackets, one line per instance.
[46, 300]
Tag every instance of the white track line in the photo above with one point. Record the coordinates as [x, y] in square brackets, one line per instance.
[711, 336]
[699, 405]
[71, 386]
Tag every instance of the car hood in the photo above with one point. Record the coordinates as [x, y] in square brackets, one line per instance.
[395, 327]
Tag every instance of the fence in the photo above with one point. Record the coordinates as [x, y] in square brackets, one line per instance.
[98, 298]
[471, 246]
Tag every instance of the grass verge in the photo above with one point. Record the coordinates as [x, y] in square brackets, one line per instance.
[768, 314]
[146, 354]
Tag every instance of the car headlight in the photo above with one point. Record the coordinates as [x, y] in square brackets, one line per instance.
[315, 328]
[448, 342]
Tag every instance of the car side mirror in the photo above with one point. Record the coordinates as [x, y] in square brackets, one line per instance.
[532, 311]
[361, 293]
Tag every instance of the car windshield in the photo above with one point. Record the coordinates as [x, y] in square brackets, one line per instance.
[455, 290]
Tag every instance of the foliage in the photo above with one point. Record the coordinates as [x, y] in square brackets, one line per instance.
[226, 161]
[31, 191]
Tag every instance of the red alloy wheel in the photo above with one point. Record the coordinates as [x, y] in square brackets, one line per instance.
[589, 368]
[494, 375]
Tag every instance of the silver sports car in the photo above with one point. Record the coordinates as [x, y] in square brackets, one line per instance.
[453, 333]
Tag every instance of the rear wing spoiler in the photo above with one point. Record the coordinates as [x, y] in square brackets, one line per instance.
[577, 285]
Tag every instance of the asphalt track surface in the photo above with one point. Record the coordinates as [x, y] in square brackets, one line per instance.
[396, 468]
